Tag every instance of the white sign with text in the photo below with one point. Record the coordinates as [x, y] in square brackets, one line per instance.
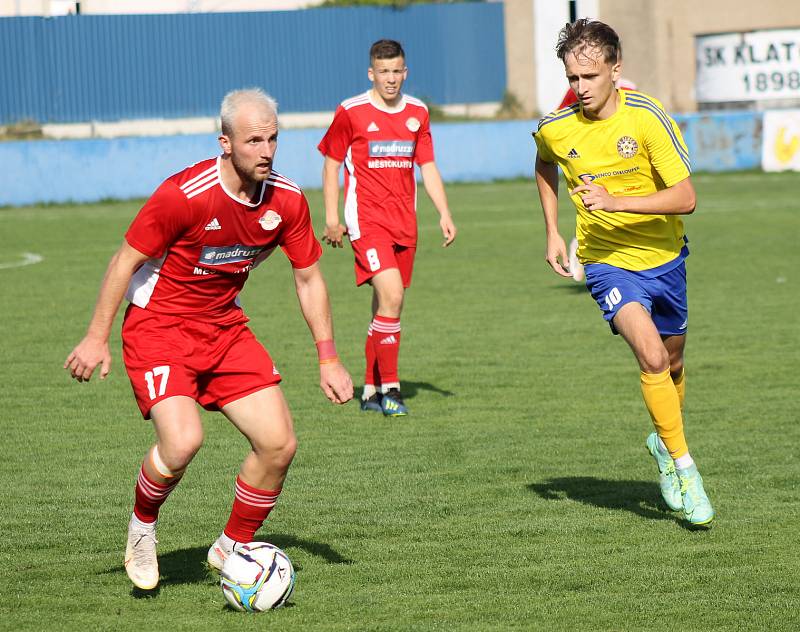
[754, 66]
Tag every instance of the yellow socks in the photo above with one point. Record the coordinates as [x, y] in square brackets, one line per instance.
[661, 396]
[680, 386]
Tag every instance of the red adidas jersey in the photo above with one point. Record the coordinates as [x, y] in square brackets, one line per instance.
[204, 241]
[379, 149]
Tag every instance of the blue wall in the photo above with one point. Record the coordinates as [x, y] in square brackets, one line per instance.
[723, 141]
[96, 169]
[91, 170]
[105, 68]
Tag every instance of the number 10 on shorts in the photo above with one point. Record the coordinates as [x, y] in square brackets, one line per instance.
[150, 377]
[612, 299]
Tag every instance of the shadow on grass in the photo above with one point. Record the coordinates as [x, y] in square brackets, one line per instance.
[320, 549]
[188, 566]
[572, 288]
[642, 498]
[410, 390]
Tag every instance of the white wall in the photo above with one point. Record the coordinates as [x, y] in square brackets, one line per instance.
[549, 17]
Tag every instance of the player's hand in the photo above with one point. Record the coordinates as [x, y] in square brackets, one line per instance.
[556, 255]
[83, 360]
[448, 229]
[595, 197]
[335, 382]
[333, 235]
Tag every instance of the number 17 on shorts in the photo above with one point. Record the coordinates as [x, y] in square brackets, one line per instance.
[157, 381]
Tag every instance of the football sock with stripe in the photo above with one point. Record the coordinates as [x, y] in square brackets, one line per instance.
[371, 375]
[153, 486]
[386, 340]
[251, 506]
[661, 399]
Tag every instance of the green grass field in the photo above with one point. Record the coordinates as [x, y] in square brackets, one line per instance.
[518, 494]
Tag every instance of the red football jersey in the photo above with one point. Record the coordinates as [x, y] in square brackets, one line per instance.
[379, 149]
[204, 241]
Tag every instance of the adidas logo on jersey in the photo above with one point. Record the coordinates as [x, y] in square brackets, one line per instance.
[213, 225]
[373, 127]
[573, 154]
[389, 340]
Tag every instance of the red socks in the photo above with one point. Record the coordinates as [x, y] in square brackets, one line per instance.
[371, 375]
[251, 506]
[150, 496]
[386, 346]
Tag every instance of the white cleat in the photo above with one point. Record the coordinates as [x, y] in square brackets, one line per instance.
[141, 562]
[218, 553]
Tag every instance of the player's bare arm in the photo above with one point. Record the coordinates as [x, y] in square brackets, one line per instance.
[679, 199]
[334, 231]
[434, 186]
[312, 293]
[93, 349]
[547, 184]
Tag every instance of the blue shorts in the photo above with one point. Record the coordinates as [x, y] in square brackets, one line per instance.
[663, 295]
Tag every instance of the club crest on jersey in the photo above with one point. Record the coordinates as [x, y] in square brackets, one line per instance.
[270, 220]
[627, 147]
[412, 124]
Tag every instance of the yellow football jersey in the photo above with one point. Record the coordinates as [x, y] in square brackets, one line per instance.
[637, 151]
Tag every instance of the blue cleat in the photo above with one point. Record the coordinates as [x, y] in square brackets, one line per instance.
[667, 477]
[697, 508]
[392, 404]
[372, 404]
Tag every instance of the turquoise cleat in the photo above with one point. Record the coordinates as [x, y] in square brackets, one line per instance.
[667, 478]
[697, 508]
[392, 404]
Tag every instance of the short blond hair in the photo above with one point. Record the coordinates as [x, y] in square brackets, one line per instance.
[235, 98]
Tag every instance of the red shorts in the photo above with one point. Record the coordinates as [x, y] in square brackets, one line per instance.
[377, 252]
[167, 356]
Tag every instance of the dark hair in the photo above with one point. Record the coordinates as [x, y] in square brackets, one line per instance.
[386, 49]
[585, 33]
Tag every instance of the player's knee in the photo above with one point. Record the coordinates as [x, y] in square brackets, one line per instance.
[277, 454]
[391, 303]
[176, 455]
[284, 453]
[654, 360]
[676, 365]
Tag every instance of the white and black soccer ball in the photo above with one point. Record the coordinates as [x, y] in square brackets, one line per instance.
[258, 576]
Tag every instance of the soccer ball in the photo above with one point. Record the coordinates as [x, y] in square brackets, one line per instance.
[258, 576]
